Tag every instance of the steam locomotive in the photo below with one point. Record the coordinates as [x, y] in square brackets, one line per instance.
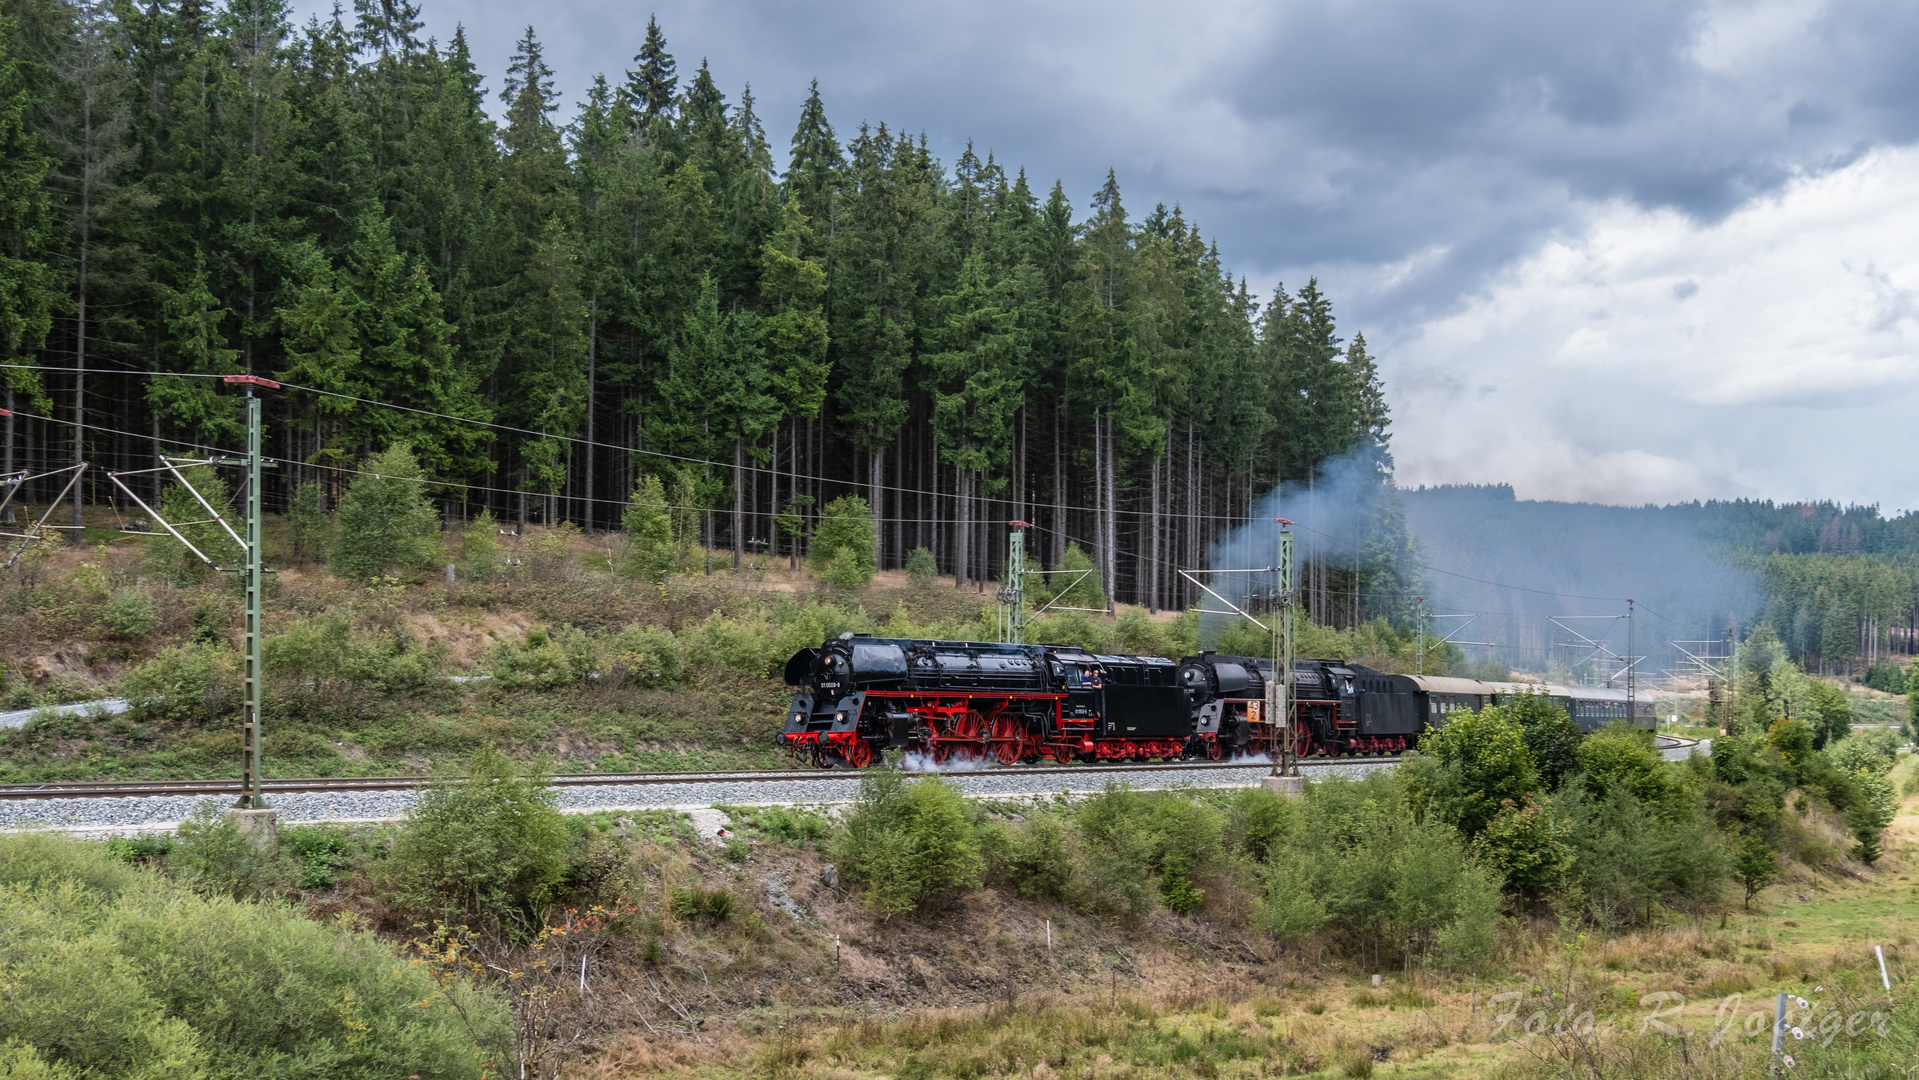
[954, 701]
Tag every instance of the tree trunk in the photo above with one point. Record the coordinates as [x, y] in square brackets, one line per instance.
[739, 493]
[1059, 484]
[960, 554]
[592, 385]
[877, 484]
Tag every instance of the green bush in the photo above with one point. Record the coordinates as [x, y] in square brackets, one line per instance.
[198, 683]
[1886, 677]
[1551, 736]
[309, 523]
[488, 847]
[479, 558]
[130, 613]
[1469, 767]
[730, 646]
[1526, 845]
[322, 655]
[713, 905]
[1258, 820]
[1076, 584]
[1115, 875]
[845, 524]
[1039, 859]
[215, 858]
[642, 655]
[847, 569]
[649, 530]
[1622, 758]
[1628, 855]
[1363, 864]
[113, 971]
[385, 519]
[1874, 749]
[320, 853]
[543, 659]
[910, 845]
[921, 569]
[1867, 819]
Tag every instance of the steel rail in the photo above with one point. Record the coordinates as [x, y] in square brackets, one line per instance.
[230, 786]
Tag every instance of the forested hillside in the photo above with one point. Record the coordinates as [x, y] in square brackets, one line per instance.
[548, 308]
[1839, 584]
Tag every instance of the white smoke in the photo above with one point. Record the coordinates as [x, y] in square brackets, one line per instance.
[917, 761]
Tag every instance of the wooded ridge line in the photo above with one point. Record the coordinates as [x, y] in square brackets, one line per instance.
[203, 191]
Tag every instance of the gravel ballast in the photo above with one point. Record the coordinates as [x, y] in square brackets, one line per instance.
[154, 813]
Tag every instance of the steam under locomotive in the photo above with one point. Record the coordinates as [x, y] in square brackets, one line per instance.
[972, 700]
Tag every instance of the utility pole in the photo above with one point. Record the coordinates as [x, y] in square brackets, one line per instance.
[1280, 688]
[1012, 595]
[250, 813]
[1421, 669]
[251, 797]
[1632, 670]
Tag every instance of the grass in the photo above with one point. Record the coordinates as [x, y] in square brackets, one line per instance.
[1314, 1012]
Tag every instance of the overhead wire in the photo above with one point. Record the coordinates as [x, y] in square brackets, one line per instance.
[1235, 523]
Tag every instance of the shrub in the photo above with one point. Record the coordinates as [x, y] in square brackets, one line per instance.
[178, 985]
[186, 682]
[321, 655]
[1363, 864]
[846, 524]
[1076, 582]
[1472, 765]
[1551, 736]
[214, 857]
[489, 846]
[1754, 865]
[385, 518]
[847, 569]
[713, 905]
[1526, 845]
[130, 613]
[643, 655]
[649, 527]
[725, 645]
[1876, 808]
[1886, 677]
[1039, 859]
[920, 567]
[909, 844]
[1874, 749]
[543, 659]
[1116, 876]
[319, 853]
[479, 558]
[308, 519]
[1628, 854]
[1621, 758]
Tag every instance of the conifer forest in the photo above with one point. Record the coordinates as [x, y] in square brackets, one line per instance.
[550, 310]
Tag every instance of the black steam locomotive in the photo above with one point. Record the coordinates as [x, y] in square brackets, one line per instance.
[983, 701]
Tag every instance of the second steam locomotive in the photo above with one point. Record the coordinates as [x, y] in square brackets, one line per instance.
[972, 701]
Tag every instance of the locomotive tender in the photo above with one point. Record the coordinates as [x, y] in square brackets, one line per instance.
[955, 701]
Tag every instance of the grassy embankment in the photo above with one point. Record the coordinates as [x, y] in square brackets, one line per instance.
[594, 670]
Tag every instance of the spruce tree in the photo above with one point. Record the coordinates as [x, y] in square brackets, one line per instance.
[385, 521]
[27, 291]
[652, 87]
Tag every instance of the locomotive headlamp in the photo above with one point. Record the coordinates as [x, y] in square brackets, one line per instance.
[841, 717]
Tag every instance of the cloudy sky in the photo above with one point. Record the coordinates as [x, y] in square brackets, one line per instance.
[1630, 252]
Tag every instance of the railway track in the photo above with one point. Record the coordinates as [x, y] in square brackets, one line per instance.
[109, 789]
